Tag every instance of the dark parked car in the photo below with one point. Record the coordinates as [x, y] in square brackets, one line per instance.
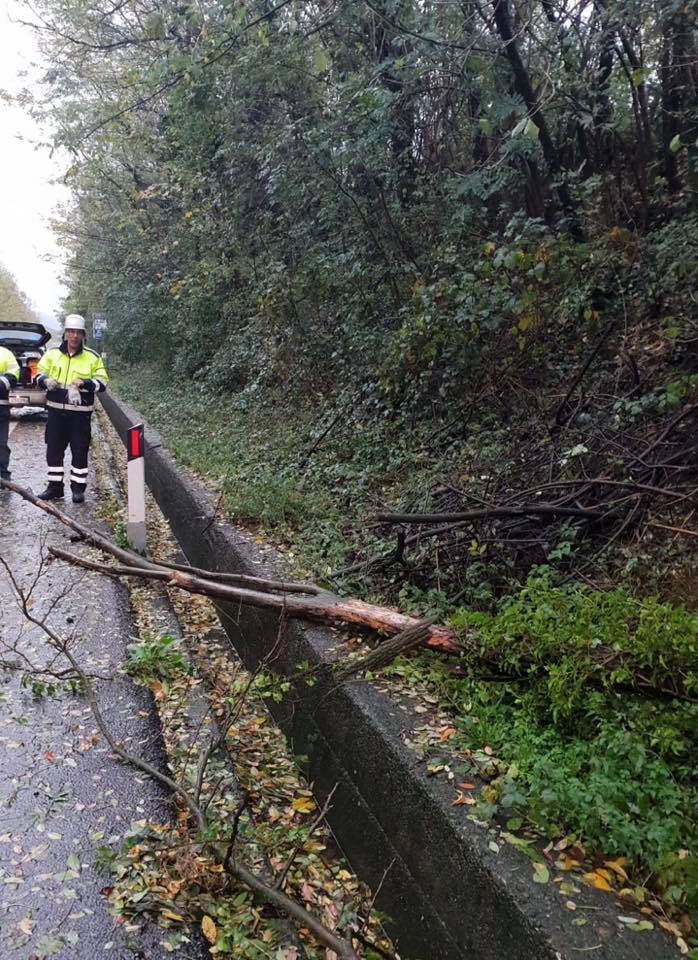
[28, 342]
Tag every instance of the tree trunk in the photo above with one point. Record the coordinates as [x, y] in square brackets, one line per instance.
[524, 88]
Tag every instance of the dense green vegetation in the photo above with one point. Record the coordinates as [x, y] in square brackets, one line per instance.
[621, 767]
[567, 756]
[436, 259]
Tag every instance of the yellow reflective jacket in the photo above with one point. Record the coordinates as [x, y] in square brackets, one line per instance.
[9, 367]
[85, 365]
[9, 375]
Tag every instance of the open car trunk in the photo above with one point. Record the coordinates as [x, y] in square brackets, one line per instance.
[27, 342]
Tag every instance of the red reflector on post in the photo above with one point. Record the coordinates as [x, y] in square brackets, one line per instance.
[135, 449]
[136, 442]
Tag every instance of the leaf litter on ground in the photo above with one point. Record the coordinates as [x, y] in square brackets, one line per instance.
[159, 871]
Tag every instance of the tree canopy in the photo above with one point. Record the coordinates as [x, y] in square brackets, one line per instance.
[13, 303]
[392, 192]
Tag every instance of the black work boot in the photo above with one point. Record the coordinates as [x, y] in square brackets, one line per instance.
[54, 491]
[78, 492]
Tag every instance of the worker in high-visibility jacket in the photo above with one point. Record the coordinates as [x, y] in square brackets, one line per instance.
[71, 375]
[9, 375]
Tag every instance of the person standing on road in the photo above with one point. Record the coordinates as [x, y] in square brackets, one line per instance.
[71, 374]
[9, 375]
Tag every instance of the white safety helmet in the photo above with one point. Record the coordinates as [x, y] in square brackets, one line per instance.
[74, 322]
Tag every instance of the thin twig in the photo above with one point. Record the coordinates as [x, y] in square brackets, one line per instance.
[326, 807]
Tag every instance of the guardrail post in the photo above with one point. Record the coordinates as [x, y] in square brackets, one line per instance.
[135, 448]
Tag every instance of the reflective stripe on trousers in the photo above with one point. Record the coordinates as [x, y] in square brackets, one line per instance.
[63, 430]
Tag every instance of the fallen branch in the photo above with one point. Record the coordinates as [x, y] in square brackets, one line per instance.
[222, 853]
[664, 526]
[528, 510]
[324, 608]
[132, 559]
[258, 583]
[86, 533]
[298, 846]
[334, 609]
[385, 653]
[328, 607]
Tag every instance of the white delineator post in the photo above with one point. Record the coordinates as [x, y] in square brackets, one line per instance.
[135, 448]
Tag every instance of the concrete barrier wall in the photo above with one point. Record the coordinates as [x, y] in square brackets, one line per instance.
[449, 894]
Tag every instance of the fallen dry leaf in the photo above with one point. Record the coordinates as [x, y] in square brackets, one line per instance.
[594, 879]
[170, 915]
[617, 867]
[461, 798]
[208, 928]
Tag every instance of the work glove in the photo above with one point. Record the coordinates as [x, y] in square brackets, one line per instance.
[74, 395]
[51, 384]
[4, 386]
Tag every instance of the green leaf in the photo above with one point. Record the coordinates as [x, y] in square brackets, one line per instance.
[639, 76]
[675, 144]
[320, 62]
[49, 945]
[531, 129]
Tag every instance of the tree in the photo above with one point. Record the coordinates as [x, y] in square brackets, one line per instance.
[14, 305]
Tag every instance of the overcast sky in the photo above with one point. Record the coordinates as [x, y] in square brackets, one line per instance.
[28, 196]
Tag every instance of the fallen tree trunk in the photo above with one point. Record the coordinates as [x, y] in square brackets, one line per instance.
[330, 608]
[323, 608]
[326, 607]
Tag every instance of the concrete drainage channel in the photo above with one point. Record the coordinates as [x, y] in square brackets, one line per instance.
[449, 894]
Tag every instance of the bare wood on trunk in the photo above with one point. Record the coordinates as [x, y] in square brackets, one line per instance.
[324, 608]
[384, 654]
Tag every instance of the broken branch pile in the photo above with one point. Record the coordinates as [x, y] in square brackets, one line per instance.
[621, 482]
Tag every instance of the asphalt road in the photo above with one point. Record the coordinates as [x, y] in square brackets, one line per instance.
[61, 795]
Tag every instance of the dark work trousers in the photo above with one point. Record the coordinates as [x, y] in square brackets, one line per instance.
[4, 449]
[64, 428]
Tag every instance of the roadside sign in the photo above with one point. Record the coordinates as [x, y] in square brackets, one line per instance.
[99, 325]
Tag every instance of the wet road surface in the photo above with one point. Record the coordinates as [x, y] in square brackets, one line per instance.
[61, 796]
